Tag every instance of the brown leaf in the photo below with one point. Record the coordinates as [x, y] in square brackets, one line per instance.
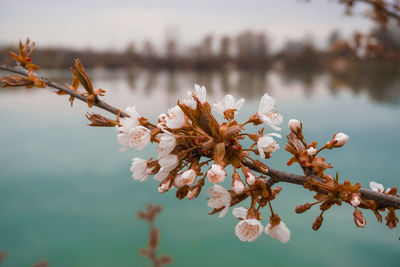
[15, 81]
[98, 120]
[81, 75]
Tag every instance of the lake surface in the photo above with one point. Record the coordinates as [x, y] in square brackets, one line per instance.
[67, 196]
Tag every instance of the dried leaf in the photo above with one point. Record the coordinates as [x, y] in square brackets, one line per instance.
[98, 120]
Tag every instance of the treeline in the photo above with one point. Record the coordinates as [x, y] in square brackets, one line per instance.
[246, 51]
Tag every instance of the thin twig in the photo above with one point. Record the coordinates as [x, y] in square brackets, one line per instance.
[383, 200]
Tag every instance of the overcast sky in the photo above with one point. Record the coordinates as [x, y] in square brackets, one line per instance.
[104, 24]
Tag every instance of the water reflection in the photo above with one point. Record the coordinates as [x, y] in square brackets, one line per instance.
[381, 85]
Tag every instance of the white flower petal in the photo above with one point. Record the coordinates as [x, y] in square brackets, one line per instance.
[248, 230]
[280, 232]
[240, 212]
[376, 186]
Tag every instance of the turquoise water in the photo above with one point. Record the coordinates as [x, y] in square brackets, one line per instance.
[66, 193]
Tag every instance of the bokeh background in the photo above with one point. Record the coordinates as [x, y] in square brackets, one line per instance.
[66, 193]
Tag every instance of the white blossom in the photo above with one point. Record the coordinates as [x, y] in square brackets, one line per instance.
[186, 178]
[201, 93]
[250, 178]
[228, 103]
[248, 230]
[168, 163]
[240, 212]
[162, 121]
[166, 145]
[238, 186]
[175, 118]
[138, 137]
[190, 102]
[355, 200]
[295, 126]
[216, 174]
[266, 144]
[280, 232]
[219, 198]
[161, 175]
[268, 114]
[164, 186]
[139, 169]
[128, 123]
[376, 187]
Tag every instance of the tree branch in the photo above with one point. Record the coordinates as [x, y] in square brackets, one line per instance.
[383, 200]
[98, 103]
[381, 7]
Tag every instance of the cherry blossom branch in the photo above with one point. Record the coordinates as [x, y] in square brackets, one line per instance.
[383, 200]
[98, 103]
[276, 176]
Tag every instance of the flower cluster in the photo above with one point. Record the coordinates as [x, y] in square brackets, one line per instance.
[194, 148]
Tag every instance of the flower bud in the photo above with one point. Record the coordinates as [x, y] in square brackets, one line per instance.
[237, 184]
[355, 199]
[250, 178]
[182, 192]
[302, 208]
[296, 127]
[193, 192]
[359, 219]
[186, 178]
[318, 222]
[340, 139]
[165, 185]
[391, 219]
[311, 151]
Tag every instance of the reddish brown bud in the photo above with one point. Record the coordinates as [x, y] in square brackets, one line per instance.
[318, 222]
[302, 208]
[182, 192]
[359, 219]
[274, 220]
[326, 205]
[392, 191]
[391, 219]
